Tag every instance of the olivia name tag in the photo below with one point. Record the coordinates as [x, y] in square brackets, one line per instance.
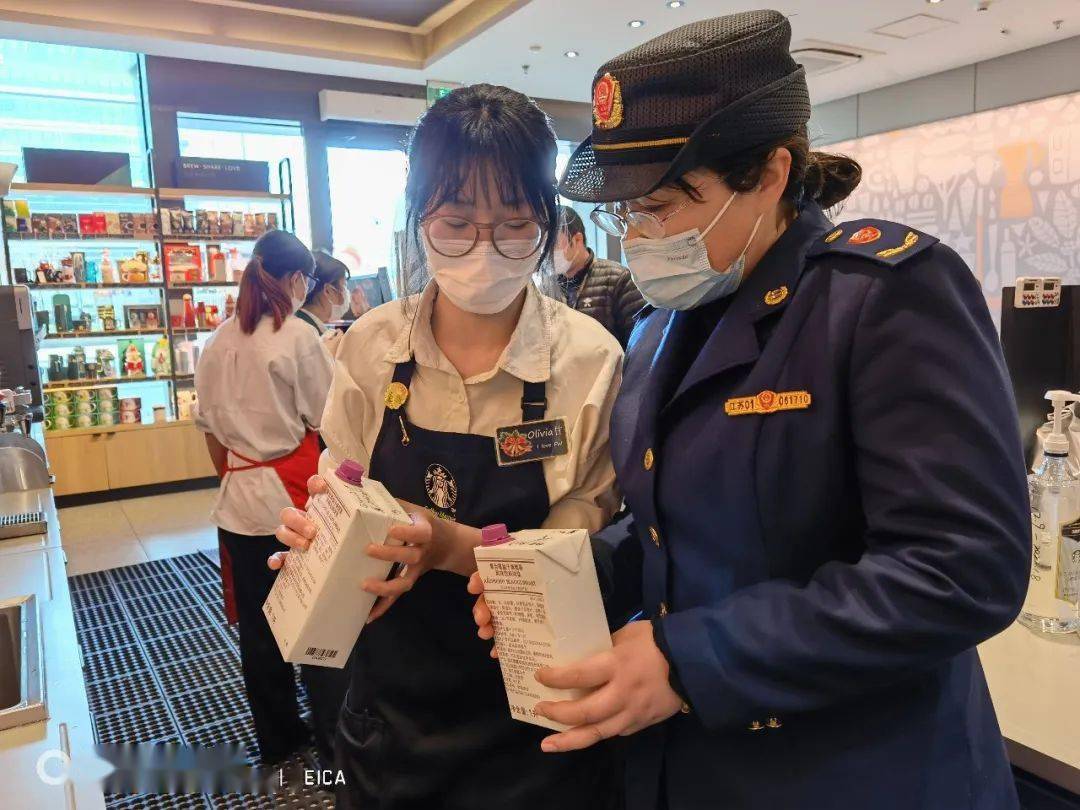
[530, 441]
[768, 402]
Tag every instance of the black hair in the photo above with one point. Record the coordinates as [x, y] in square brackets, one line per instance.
[484, 131]
[571, 221]
[275, 256]
[328, 271]
[826, 178]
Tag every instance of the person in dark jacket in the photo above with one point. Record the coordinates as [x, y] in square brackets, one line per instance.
[817, 438]
[600, 288]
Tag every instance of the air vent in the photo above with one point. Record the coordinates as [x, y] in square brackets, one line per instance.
[913, 26]
[818, 61]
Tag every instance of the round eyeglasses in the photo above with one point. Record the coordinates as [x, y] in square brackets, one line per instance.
[455, 236]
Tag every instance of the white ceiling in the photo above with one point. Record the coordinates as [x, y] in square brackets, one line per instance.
[598, 30]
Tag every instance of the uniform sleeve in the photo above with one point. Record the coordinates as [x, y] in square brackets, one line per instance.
[348, 409]
[941, 478]
[618, 557]
[593, 499]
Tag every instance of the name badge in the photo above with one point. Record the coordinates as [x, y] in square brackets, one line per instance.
[530, 441]
[768, 402]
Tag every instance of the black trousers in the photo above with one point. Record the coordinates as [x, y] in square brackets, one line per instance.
[268, 680]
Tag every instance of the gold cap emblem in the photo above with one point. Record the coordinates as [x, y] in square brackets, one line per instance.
[607, 103]
[396, 394]
[832, 237]
[774, 297]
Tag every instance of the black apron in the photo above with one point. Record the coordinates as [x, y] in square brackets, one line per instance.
[426, 723]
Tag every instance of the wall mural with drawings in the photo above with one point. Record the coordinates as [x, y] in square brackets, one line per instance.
[1002, 187]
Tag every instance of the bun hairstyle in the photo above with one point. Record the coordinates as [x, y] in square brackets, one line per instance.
[275, 257]
[825, 178]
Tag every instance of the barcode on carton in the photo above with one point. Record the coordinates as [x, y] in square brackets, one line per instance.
[321, 653]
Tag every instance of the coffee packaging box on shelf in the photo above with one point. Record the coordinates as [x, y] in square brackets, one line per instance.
[127, 224]
[39, 224]
[11, 217]
[202, 222]
[225, 224]
[86, 224]
[249, 225]
[544, 598]
[316, 607]
[112, 224]
[69, 224]
[100, 223]
[166, 222]
[238, 224]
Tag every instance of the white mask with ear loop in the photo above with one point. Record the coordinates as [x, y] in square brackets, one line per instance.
[674, 272]
[297, 303]
[337, 311]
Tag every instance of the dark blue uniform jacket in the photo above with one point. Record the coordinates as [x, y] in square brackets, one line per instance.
[822, 561]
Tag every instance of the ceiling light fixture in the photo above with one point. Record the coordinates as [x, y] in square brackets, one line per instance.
[933, 2]
[636, 23]
[571, 54]
[681, 3]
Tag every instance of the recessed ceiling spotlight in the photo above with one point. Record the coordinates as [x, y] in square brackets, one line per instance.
[536, 48]
[681, 3]
[636, 23]
[571, 54]
[933, 2]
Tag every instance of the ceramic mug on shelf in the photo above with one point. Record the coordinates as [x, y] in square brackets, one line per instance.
[85, 406]
[130, 417]
[131, 404]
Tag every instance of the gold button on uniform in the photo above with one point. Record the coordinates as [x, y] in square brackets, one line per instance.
[756, 726]
[774, 722]
[650, 459]
[655, 535]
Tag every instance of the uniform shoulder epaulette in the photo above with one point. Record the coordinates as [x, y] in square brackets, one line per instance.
[888, 243]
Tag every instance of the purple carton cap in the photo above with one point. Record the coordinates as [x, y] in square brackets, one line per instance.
[351, 472]
[494, 535]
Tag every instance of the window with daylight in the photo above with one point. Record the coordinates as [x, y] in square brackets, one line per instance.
[269, 140]
[63, 97]
[594, 237]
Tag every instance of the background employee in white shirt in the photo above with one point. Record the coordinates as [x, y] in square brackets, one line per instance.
[328, 300]
[427, 393]
[262, 382]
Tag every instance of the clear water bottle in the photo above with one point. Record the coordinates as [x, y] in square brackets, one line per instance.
[1052, 604]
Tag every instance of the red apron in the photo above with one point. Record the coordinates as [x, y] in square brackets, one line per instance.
[294, 469]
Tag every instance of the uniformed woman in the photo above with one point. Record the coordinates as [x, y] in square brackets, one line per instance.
[262, 382]
[817, 439]
[423, 389]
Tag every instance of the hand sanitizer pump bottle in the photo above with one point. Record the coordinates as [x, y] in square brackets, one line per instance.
[1052, 604]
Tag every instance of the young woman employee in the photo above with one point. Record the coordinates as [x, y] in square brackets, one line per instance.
[421, 390]
[328, 300]
[817, 438]
[262, 382]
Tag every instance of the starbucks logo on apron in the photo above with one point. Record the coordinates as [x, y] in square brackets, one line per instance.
[441, 486]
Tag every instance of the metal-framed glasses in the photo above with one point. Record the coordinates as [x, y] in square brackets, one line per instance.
[619, 219]
[456, 236]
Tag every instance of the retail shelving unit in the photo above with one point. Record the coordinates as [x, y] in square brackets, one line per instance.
[108, 456]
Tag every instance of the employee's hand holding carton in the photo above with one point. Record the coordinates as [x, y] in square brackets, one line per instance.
[429, 543]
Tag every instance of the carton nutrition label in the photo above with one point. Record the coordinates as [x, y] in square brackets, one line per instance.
[522, 632]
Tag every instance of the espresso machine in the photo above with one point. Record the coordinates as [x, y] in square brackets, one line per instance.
[22, 459]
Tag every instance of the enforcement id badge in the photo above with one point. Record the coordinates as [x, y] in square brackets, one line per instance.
[530, 441]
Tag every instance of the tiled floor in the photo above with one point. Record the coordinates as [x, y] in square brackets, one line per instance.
[107, 535]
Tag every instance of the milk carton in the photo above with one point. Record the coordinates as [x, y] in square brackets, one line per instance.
[317, 608]
[545, 601]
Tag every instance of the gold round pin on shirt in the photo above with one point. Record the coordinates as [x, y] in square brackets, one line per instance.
[774, 297]
[396, 394]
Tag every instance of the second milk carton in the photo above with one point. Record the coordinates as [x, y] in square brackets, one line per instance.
[544, 597]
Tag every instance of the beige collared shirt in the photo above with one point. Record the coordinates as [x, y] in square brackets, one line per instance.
[580, 362]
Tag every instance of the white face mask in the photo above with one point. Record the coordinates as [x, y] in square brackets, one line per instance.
[338, 310]
[674, 272]
[298, 302]
[562, 263]
[483, 281]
